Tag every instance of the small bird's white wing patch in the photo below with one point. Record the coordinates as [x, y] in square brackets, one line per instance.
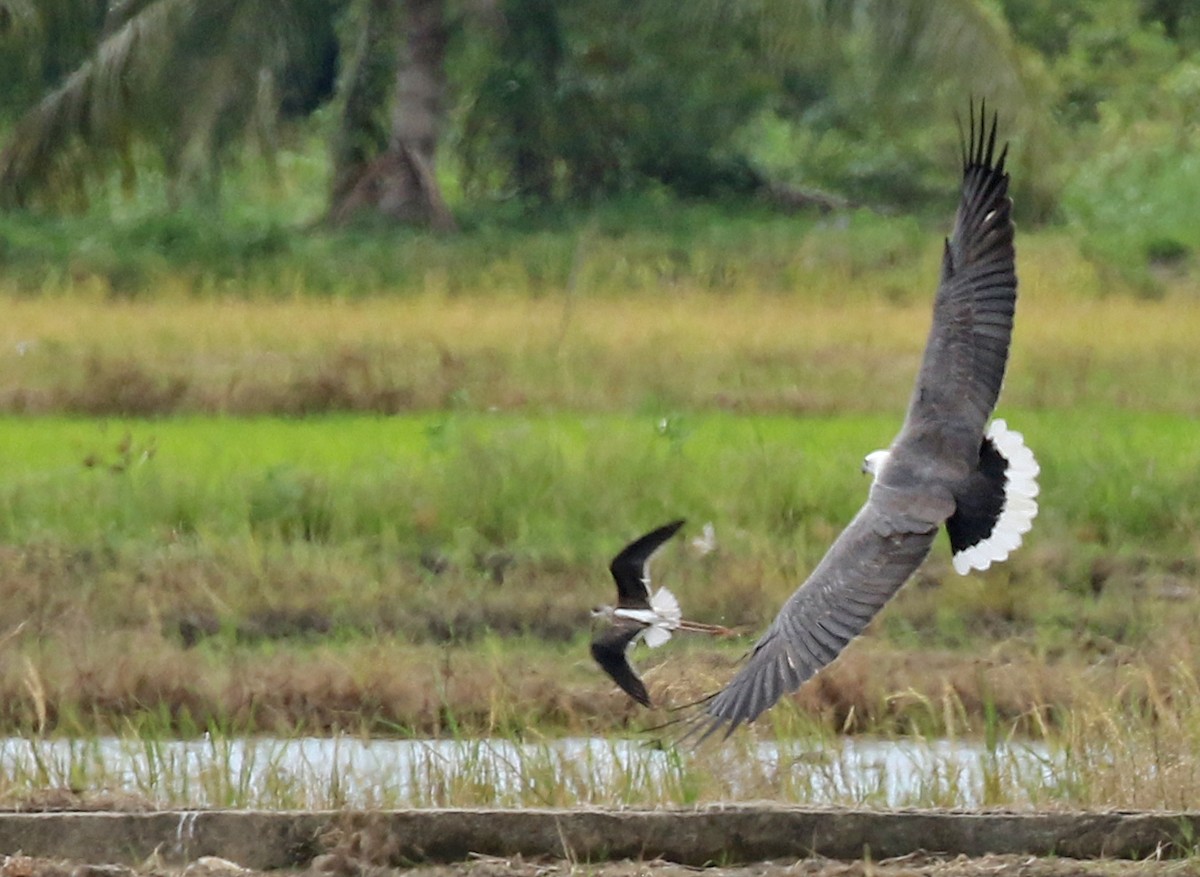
[664, 603]
[641, 616]
[666, 617]
[654, 636]
[1020, 502]
[660, 619]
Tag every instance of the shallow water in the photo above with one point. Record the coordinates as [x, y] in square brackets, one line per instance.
[352, 771]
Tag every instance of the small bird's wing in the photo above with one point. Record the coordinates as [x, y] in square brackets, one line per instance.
[937, 448]
[610, 649]
[631, 567]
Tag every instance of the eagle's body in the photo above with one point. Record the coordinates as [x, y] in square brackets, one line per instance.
[942, 469]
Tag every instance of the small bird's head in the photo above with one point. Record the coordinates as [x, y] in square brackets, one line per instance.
[873, 462]
[602, 612]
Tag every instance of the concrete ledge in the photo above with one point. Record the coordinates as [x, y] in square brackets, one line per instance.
[725, 835]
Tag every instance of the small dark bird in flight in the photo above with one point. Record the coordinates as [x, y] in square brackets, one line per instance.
[946, 466]
[639, 615]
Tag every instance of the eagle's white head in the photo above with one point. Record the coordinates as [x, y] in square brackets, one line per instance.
[873, 462]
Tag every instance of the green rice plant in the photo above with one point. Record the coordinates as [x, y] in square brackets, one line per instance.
[486, 536]
[554, 483]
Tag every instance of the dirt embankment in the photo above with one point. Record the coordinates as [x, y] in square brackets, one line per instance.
[743, 841]
[915, 865]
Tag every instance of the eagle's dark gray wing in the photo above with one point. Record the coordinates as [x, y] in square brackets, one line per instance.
[631, 567]
[965, 356]
[863, 568]
[937, 448]
[610, 649]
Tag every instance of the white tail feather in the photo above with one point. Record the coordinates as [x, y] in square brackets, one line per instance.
[1020, 505]
[654, 636]
[664, 603]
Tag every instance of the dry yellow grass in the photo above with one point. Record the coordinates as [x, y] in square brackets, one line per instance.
[842, 343]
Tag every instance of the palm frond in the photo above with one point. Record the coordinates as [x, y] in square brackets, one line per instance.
[90, 110]
[886, 63]
[17, 18]
[961, 48]
[188, 77]
[963, 39]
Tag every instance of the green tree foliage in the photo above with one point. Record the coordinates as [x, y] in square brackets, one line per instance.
[579, 99]
[552, 102]
[189, 78]
[41, 42]
[366, 92]
[582, 99]
[861, 82]
[1124, 81]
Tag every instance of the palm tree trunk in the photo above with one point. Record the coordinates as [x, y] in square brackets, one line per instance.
[397, 180]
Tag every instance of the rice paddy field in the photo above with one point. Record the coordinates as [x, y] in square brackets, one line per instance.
[254, 501]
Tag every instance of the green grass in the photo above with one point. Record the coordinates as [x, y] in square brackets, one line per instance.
[1143, 758]
[502, 772]
[560, 485]
[269, 245]
[624, 246]
[267, 573]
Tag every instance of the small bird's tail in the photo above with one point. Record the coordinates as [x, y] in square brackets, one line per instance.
[700, 627]
[664, 603]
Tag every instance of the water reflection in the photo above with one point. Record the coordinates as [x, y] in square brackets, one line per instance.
[350, 771]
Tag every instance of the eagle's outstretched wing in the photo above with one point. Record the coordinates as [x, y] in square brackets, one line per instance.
[936, 451]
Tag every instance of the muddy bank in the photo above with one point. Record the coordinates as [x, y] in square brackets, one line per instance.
[346, 842]
[916, 865]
